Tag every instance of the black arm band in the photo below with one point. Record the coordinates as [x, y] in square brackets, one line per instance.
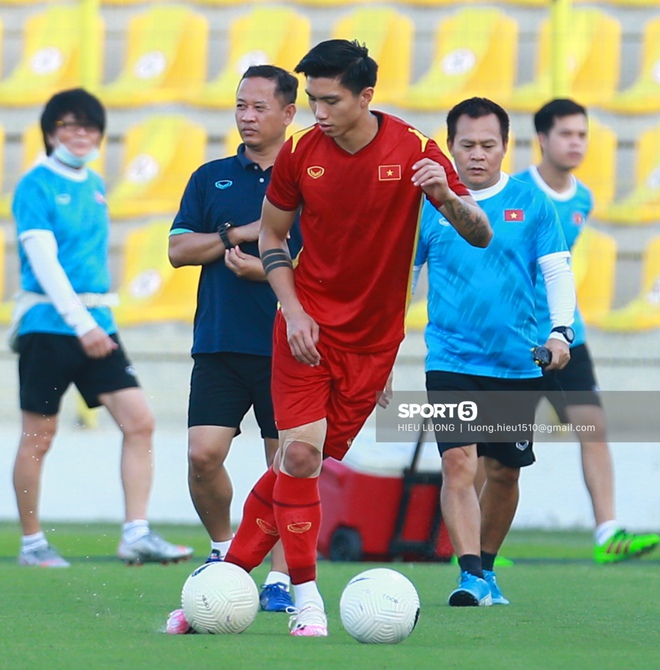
[276, 258]
[223, 229]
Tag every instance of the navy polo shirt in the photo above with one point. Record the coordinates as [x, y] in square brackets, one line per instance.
[233, 314]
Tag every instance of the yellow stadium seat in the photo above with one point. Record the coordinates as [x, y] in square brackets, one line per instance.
[642, 205]
[594, 269]
[440, 137]
[2, 263]
[6, 306]
[389, 36]
[233, 137]
[150, 289]
[159, 155]
[167, 48]
[417, 316]
[598, 170]
[331, 3]
[475, 54]
[642, 313]
[593, 53]
[277, 35]
[51, 57]
[5, 198]
[643, 96]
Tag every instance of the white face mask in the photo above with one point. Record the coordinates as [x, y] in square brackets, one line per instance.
[64, 155]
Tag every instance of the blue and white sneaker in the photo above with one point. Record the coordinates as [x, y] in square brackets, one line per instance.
[276, 598]
[495, 593]
[214, 557]
[471, 592]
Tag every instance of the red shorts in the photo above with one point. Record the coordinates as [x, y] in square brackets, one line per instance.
[344, 389]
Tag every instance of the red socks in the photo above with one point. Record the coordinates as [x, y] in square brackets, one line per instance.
[257, 532]
[289, 504]
[297, 506]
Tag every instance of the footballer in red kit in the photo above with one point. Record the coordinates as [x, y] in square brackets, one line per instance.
[359, 224]
[359, 179]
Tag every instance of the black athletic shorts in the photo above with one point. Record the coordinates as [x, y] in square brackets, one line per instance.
[48, 363]
[574, 385]
[225, 385]
[510, 454]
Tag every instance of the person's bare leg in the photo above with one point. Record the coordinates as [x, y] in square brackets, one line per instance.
[458, 499]
[208, 480]
[132, 415]
[597, 465]
[480, 477]
[499, 501]
[37, 433]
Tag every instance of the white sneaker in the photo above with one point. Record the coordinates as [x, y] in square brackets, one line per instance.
[310, 621]
[43, 557]
[152, 548]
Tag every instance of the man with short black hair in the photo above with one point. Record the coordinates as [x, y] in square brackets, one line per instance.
[481, 331]
[359, 178]
[562, 131]
[217, 227]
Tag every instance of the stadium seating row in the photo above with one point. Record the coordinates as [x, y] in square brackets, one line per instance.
[159, 154]
[150, 290]
[476, 52]
[594, 268]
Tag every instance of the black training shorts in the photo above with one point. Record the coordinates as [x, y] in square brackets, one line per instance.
[510, 454]
[225, 385]
[48, 363]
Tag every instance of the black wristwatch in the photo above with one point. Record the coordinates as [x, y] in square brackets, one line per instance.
[223, 231]
[566, 332]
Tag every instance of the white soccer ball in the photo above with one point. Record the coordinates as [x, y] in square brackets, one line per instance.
[220, 598]
[379, 606]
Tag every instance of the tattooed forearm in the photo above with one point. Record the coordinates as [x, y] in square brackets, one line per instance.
[470, 221]
[276, 258]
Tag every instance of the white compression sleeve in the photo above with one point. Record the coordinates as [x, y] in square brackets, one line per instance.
[40, 247]
[560, 286]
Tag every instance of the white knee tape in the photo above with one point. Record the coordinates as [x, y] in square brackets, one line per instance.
[309, 433]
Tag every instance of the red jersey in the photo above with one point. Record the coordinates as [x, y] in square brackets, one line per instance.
[359, 221]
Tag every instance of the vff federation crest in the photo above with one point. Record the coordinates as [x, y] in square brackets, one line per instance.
[315, 171]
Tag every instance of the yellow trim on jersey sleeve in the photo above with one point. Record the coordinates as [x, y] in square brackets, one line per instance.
[296, 137]
[422, 138]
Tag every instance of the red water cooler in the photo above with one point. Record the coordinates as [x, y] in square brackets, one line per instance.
[382, 502]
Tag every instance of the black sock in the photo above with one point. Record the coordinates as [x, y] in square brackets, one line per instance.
[488, 560]
[472, 564]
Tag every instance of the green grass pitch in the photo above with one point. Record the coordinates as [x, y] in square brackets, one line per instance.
[566, 613]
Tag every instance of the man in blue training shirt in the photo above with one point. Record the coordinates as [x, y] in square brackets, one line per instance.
[66, 331]
[217, 227]
[481, 330]
[561, 126]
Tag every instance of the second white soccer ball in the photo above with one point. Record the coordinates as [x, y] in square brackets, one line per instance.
[379, 606]
[220, 598]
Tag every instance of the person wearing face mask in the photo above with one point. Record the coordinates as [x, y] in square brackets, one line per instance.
[64, 331]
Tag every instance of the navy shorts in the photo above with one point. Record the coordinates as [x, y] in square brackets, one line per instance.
[574, 385]
[225, 385]
[510, 454]
[49, 363]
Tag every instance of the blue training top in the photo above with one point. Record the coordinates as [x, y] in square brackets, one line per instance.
[481, 302]
[573, 207]
[72, 205]
[233, 314]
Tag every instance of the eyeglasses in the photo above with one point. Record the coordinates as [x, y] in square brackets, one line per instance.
[75, 126]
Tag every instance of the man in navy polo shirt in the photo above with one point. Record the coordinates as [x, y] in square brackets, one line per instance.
[217, 227]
